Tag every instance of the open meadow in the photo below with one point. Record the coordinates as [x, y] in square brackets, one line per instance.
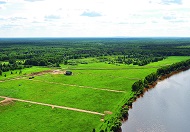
[52, 101]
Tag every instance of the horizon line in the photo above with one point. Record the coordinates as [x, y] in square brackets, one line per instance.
[102, 37]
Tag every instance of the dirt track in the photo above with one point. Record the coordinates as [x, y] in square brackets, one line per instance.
[73, 85]
[53, 106]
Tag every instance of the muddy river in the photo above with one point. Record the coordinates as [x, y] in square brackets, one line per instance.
[166, 108]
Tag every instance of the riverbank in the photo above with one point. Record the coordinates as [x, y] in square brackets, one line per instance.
[179, 67]
[164, 108]
[161, 78]
[114, 121]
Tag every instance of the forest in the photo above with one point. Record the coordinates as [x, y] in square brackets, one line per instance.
[52, 52]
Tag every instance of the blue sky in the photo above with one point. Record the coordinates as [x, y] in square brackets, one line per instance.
[94, 18]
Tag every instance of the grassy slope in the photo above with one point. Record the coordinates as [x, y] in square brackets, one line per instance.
[76, 97]
[109, 79]
[119, 78]
[31, 118]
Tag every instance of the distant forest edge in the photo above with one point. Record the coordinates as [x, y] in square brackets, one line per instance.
[21, 53]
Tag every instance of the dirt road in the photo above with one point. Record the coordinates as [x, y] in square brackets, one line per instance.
[53, 106]
[73, 85]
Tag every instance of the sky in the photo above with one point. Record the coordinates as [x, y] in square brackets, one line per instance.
[94, 18]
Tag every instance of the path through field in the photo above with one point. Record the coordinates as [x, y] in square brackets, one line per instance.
[53, 106]
[73, 85]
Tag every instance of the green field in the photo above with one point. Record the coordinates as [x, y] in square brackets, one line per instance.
[89, 88]
[25, 71]
[31, 118]
[169, 60]
[82, 98]
[1, 99]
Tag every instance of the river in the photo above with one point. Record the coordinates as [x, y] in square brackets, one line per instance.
[165, 108]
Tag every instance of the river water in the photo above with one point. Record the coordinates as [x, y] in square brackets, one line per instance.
[166, 108]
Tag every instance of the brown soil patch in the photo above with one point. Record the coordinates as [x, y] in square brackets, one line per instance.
[6, 101]
[108, 112]
[58, 72]
[40, 73]
[46, 72]
[102, 120]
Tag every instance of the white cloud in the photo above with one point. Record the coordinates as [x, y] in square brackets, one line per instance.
[89, 13]
[75, 18]
[168, 2]
[3, 2]
[33, 0]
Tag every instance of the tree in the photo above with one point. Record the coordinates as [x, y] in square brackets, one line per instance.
[151, 77]
[57, 65]
[12, 61]
[145, 83]
[138, 85]
[65, 62]
[1, 72]
[42, 63]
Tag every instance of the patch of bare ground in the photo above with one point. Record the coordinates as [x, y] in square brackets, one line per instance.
[6, 101]
[108, 112]
[41, 73]
[58, 72]
[102, 120]
[46, 72]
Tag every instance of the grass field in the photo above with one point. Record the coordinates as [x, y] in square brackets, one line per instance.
[109, 79]
[1, 99]
[25, 71]
[170, 60]
[82, 98]
[31, 118]
[91, 87]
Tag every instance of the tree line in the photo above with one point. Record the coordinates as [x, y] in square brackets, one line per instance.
[52, 52]
[10, 66]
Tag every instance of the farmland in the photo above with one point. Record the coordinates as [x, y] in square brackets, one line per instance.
[57, 89]
[76, 103]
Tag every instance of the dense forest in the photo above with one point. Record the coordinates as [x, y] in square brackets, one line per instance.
[54, 51]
